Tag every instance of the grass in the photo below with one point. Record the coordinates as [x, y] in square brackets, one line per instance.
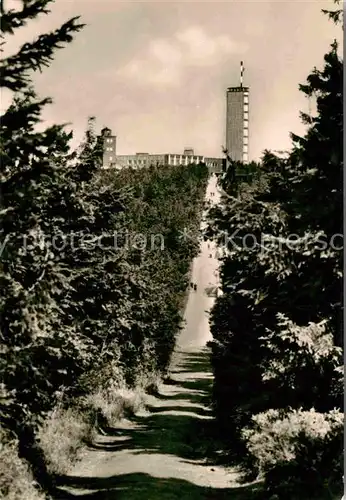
[67, 431]
[62, 437]
[70, 427]
[16, 481]
[117, 404]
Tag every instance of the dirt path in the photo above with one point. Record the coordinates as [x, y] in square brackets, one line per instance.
[160, 453]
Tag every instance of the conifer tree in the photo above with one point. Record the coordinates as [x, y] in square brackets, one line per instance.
[276, 286]
[31, 178]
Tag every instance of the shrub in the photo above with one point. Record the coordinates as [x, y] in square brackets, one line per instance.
[303, 365]
[113, 404]
[297, 451]
[62, 435]
[16, 480]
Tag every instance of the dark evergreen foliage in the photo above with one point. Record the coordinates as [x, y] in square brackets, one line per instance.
[73, 302]
[277, 327]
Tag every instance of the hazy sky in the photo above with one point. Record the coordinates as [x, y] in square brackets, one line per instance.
[156, 73]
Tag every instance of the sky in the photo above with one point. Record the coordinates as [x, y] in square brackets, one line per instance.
[156, 73]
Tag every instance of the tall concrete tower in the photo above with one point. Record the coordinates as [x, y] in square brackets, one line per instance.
[237, 121]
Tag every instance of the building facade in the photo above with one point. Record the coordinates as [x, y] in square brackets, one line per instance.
[188, 157]
[237, 123]
[215, 165]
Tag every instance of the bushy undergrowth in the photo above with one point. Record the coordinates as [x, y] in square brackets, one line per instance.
[298, 451]
[277, 327]
[16, 479]
[62, 436]
[69, 427]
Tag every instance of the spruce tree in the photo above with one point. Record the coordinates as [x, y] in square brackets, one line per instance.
[31, 177]
[301, 194]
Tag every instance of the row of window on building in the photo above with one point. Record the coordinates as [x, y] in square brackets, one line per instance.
[184, 159]
[135, 162]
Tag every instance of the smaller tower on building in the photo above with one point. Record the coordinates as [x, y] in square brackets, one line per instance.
[188, 151]
[109, 148]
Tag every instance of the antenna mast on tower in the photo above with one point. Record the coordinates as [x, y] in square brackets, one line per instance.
[241, 73]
